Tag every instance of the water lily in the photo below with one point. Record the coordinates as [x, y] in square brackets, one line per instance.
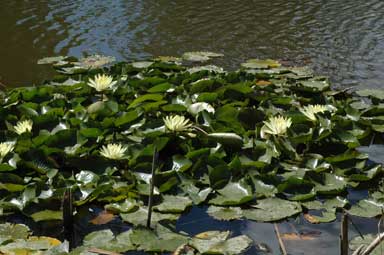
[101, 82]
[23, 126]
[310, 111]
[275, 126]
[113, 151]
[177, 123]
[5, 148]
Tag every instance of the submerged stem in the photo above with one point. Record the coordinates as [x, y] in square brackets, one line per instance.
[151, 188]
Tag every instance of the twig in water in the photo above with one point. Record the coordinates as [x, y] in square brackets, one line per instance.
[358, 250]
[68, 223]
[374, 244]
[355, 227]
[281, 243]
[344, 234]
[151, 187]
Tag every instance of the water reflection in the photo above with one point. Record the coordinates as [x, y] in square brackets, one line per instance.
[341, 39]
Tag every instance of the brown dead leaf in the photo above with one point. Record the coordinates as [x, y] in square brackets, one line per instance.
[294, 236]
[311, 219]
[103, 218]
[263, 83]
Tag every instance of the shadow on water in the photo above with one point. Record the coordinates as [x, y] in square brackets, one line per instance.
[343, 40]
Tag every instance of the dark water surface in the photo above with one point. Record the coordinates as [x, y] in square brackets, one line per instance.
[343, 39]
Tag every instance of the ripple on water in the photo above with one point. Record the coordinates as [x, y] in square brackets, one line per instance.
[339, 39]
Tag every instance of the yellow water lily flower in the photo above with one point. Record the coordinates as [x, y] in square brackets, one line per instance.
[23, 126]
[310, 110]
[5, 148]
[113, 151]
[177, 123]
[101, 82]
[275, 126]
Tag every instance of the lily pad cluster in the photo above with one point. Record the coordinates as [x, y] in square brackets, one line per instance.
[264, 143]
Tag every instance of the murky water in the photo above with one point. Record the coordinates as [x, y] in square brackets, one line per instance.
[338, 38]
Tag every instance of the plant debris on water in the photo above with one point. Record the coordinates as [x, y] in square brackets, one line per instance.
[263, 143]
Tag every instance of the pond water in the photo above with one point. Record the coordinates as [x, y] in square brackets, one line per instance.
[338, 38]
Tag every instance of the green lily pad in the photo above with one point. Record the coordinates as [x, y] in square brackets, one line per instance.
[219, 244]
[106, 240]
[200, 56]
[139, 217]
[261, 64]
[234, 193]
[315, 85]
[173, 204]
[14, 231]
[224, 213]
[367, 208]
[127, 205]
[272, 209]
[374, 93]
[161, 239]
[47, 215]
[142, 64]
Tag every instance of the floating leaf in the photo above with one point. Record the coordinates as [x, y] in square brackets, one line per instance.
[367, 208]
[140, 216]
[272, 209]
[47, 215]
[374, 93]
[234, 193]
[160, 240]
[200, 56]
[103, 218]
[173, 204]
[224, 213]
[219, 244]
[261, 64]
[142, 64]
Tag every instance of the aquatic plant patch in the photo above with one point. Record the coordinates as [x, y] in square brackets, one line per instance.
[264, 143]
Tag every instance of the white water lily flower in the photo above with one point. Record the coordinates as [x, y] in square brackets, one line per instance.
[23, 126]
[101, 82]
[5, 148]
[275, 126]
[310, 110]
[113, 151]
[177, 123]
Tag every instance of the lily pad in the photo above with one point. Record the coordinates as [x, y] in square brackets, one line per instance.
[261, 64]
[224, 213]
[234, 193]
[374, 93]
[219, 244]
[173, 204]
[272, 209]
[160, 240]
[47, 215]
[139, 217]
[200, 56]
[367, 208]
